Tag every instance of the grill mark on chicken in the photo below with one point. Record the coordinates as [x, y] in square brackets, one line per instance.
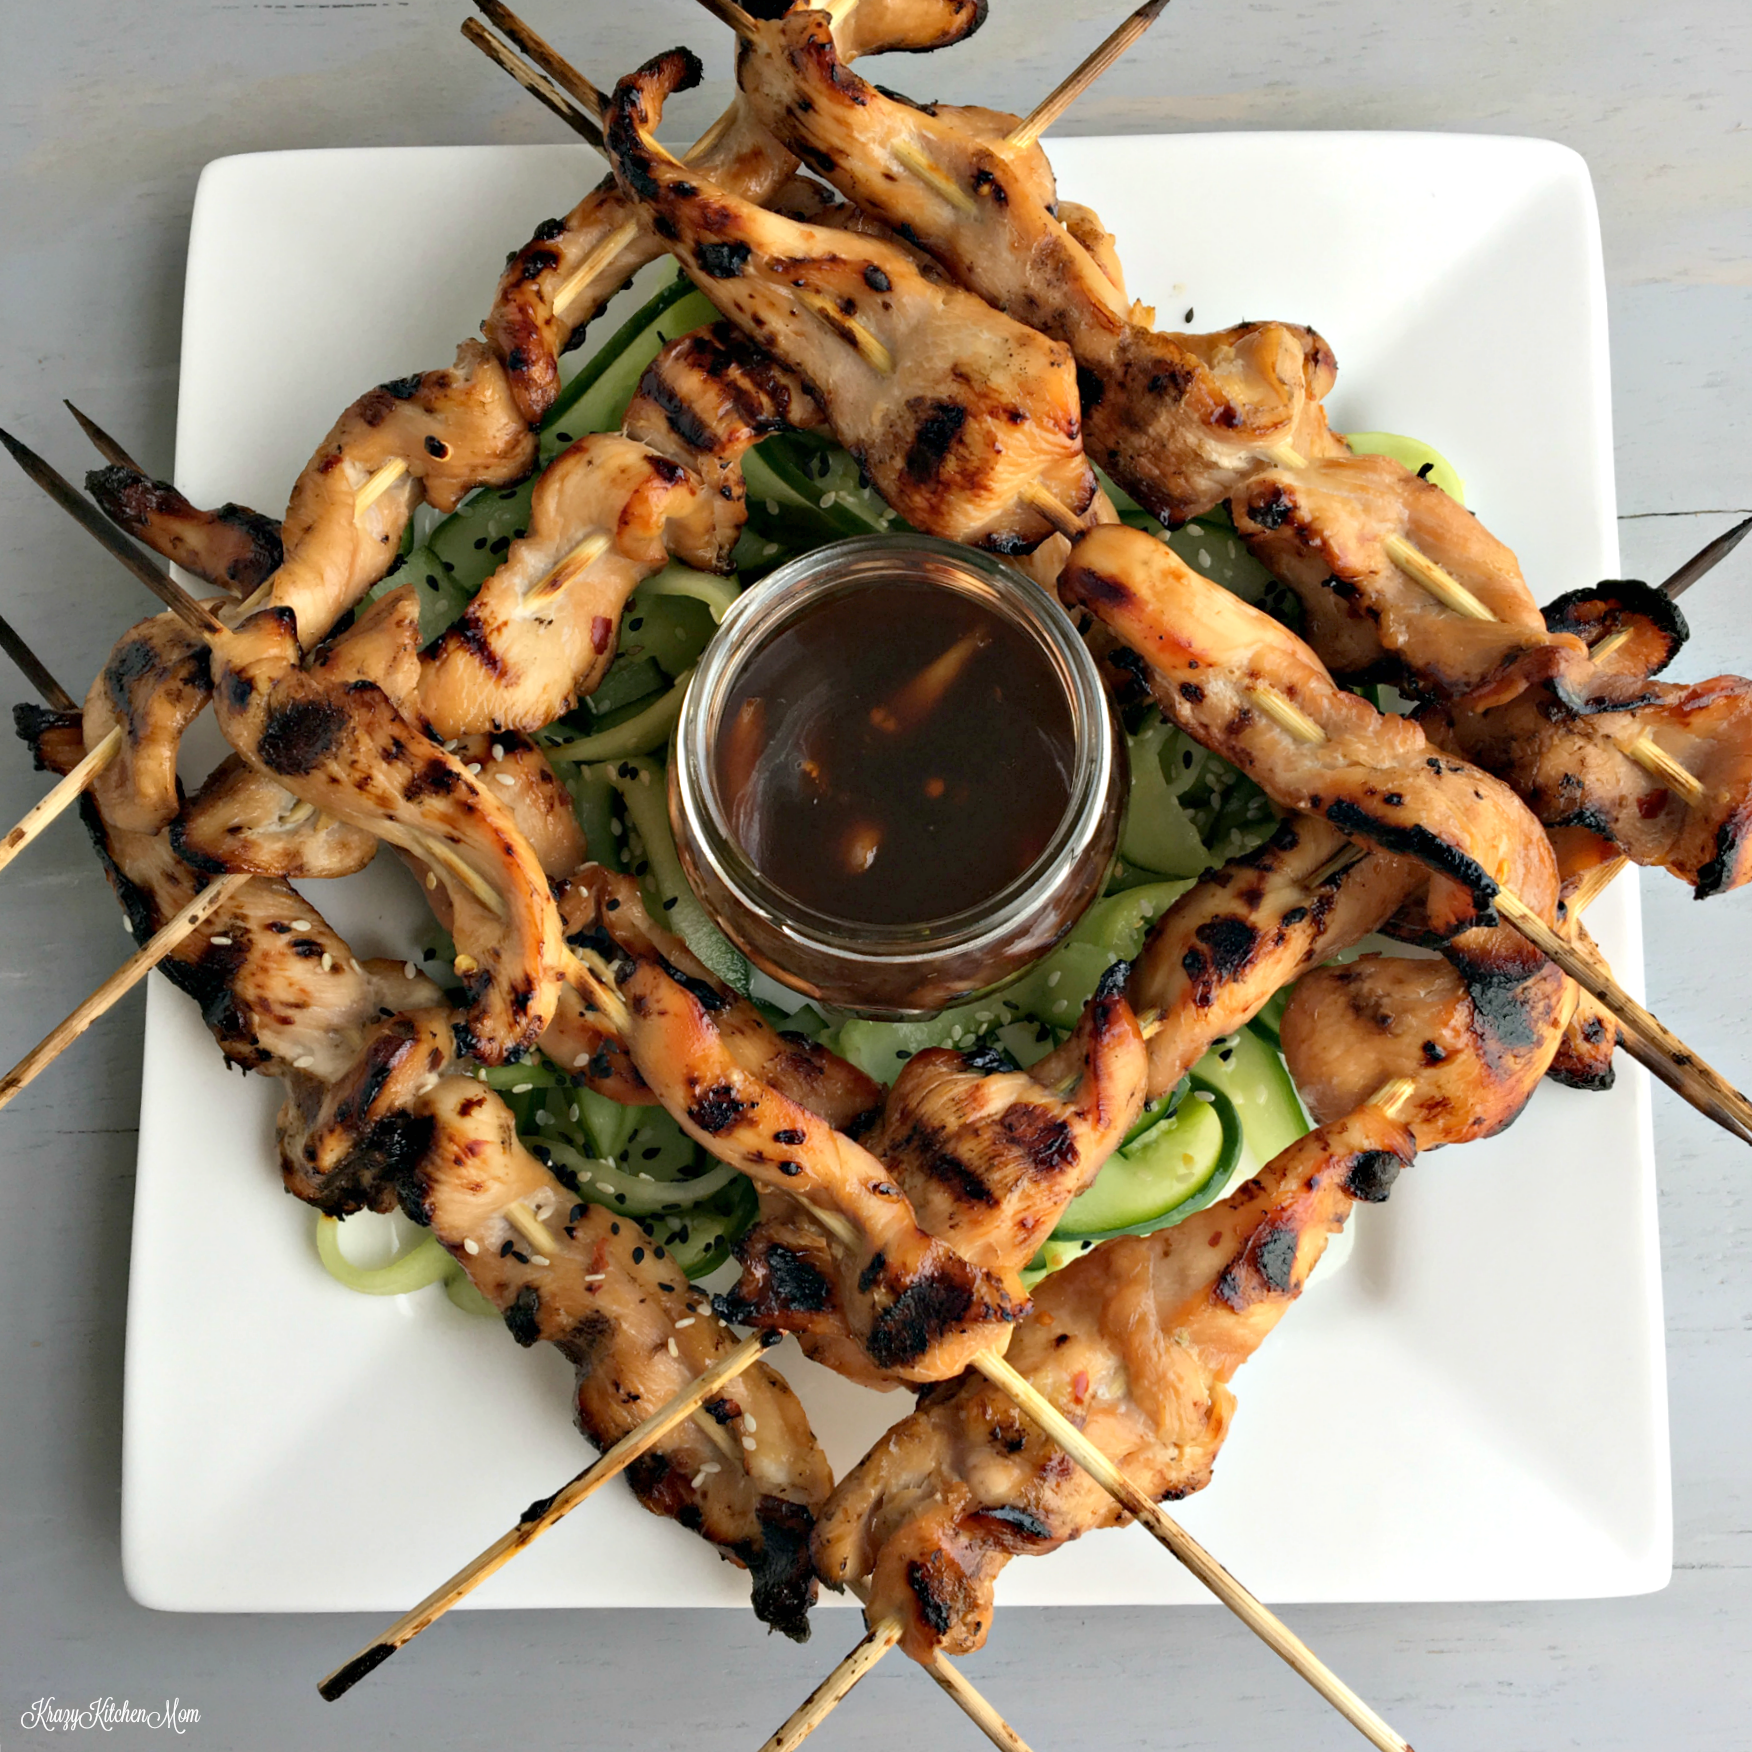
[954, 464]
[1135, 1342]
[233, 547]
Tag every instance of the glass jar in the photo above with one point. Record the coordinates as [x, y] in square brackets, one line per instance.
[896, 971]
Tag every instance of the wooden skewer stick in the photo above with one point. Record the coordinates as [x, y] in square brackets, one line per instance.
[1681, 1070]
[1266, 1625]
[542, 1515]
[101, 441]
[531, 81]
[119, 983]
[382, 479]
[1437, 580]
[1076, 82]
[1054, 510]
[1707, 557]
[193, 614]
[972, 1703]
[538, 49]
[58, 799]
[728, 12]
[33, 669]
[826, 1697]
[1653, 758]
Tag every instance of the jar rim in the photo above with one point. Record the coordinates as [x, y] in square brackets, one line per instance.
[840, 568]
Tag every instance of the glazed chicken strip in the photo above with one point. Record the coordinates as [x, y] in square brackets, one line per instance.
[1136, 1343]
[233, 547]
[155, 684]
[1476, 1054]
[1324, 530]
[954, 413]
[1215, 664]
[242, 820]
[991, 1156]
[404, 1128]
[1693, 819]
[916, 1308]
[1246, 930]
[543, 306]
[341, 746]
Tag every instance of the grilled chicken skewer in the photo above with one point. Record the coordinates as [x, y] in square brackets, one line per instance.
[960, 418]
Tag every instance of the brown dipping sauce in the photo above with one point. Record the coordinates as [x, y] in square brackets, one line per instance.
[896, 754]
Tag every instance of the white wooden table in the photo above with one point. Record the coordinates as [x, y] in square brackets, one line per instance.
[111, 109]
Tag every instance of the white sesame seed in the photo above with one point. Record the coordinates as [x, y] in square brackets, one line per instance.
[1204, 558]
[543, 1117]
[673, 1351]
[1203, 1095]
[616, 827]
[354, 964]
[301, 924]
[827, 500]
[750, 1443]
[508, 779]
[304, 1063]
[328, 962]
[1059, 1004]
[579, 1062]
[498, 751]
[539, 1259]
[474, 767]
[644, 1176]
[584, 1176]
[749, 1424]
[431, 880]
[574, 1115]
[697, 1480]
[128, 926]
[644, 775]
[1053, 978]
[222, 942]
[768, 549]
[1194, 530]
[681, 1323]
[471, 1245]
[772, 507]
[521, 1088]
[594, 1277]
[409, 971]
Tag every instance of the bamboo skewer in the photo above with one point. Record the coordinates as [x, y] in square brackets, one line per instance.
[119, 983]
[33, 670]
[1076, 82]
[531, 81]
[101, 441]
[1707, 557]
[542, 1515]
[827, 1696]
[58, 799]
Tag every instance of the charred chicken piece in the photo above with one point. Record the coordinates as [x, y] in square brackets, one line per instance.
[233, 547]
[1178, 420]
[156, 683]
[957, 415]
[1136, 1343]
[343, 747]
[531, 326]
[990, 1156]
[1693, 819]
[1476, 1052]
[450, 430]
[1251, 927]
[1216, 666]
[914, 1307]
[242, 820]
[1324, 529]
[1631, 629]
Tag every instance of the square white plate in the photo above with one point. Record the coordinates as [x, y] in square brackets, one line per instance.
[1480, 1394]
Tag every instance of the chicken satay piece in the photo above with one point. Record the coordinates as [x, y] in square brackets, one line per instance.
[916, 1309]
[703, 402]
[542, 306]
[342, 746]
[1475, 1053]
[956, 414]
[1178, 420]
[540, 805]
[541, 631]
[446, 432]
[156, 682]
[277, 988]
[1668, 781]
[233, 547]
[1632, 630]
[1327, 529]
[991, 1155]
[241, 820]
[1248, 929]
[1247, 688]
[1584, 1058]
[1136, 1343]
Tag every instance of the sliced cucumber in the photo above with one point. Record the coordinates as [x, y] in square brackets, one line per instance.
[1246, 1068]
[1181, 1164]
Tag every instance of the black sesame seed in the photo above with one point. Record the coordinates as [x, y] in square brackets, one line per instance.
[638, 1256]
